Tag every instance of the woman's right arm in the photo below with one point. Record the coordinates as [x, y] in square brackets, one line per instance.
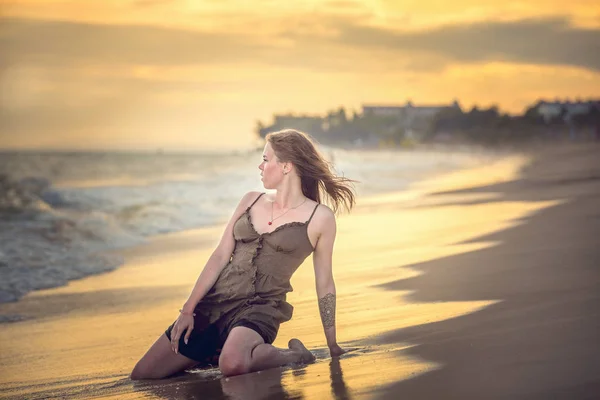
[215, 264]
[219, 258]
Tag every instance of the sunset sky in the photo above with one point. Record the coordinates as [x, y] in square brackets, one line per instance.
[183, 74]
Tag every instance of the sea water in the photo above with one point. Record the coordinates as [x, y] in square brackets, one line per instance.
[61, 212]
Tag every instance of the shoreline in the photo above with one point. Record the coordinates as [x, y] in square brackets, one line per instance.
[392, 305]
[110, 259]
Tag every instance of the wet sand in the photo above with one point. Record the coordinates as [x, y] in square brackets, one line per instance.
[477, 284]
[541, 340]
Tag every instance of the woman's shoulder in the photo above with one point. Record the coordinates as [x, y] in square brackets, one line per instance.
[251, 196]
[248, 199]
[323, 214]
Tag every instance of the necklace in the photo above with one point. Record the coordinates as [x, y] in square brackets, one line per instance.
[289, 209]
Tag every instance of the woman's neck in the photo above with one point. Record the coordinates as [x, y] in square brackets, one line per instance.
[289, 197]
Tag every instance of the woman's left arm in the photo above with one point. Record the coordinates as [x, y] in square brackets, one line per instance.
[322, 259]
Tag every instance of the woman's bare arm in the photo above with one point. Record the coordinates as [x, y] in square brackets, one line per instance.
[322, 259]
[219, 258]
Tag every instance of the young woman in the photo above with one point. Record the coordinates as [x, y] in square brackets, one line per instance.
[238, 301]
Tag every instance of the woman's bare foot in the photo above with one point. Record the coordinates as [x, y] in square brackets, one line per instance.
[305, 355]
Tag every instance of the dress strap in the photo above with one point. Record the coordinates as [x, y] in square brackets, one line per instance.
[259, 196]
[313, 213]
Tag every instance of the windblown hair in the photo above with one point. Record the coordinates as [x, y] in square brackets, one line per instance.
[316, 173]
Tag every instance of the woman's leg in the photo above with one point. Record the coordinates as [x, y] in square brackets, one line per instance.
[245, 351]
[160, 361]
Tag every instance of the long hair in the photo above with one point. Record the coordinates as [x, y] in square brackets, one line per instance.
[315, 172]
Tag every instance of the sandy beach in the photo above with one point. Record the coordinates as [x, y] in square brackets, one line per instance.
[477, 284]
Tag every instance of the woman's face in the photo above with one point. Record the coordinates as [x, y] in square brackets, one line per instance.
[271, 169]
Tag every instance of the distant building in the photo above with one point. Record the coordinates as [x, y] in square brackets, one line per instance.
[383, 111]
[412, 119]
[408, 111]
[566, 109]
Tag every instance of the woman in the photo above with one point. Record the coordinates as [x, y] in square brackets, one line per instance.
[238, 301]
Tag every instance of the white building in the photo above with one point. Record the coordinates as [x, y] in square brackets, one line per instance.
[409, 110]
[550, 110]
[412, 118]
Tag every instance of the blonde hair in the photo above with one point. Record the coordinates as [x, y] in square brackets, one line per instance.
[315, 172]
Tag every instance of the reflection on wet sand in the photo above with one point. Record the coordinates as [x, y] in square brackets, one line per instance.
[188, 386]
[339, 390]
[269, 384]
[209, 384]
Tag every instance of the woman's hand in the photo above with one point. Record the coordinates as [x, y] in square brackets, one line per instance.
[335, 350]
[185, 323]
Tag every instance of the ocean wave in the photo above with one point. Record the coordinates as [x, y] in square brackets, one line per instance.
[50, 235]
[61, 213]
[43, 247]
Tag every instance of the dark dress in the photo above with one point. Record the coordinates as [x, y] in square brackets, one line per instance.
[251, 289]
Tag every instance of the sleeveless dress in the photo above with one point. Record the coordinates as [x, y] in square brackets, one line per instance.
[251, 289]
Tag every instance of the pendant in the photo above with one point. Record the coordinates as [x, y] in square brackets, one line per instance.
[270, 222]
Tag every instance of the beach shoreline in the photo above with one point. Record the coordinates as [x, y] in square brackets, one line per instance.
[62, 215]
[385, 255]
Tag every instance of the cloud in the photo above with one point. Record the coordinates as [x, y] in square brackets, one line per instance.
[340, 42]
[64, 79]
[62, 42]
[550, 41]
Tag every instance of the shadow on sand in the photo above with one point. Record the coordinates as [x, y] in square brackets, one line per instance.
[541, 340]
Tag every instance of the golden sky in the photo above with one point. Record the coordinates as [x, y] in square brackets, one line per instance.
[183, 74]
